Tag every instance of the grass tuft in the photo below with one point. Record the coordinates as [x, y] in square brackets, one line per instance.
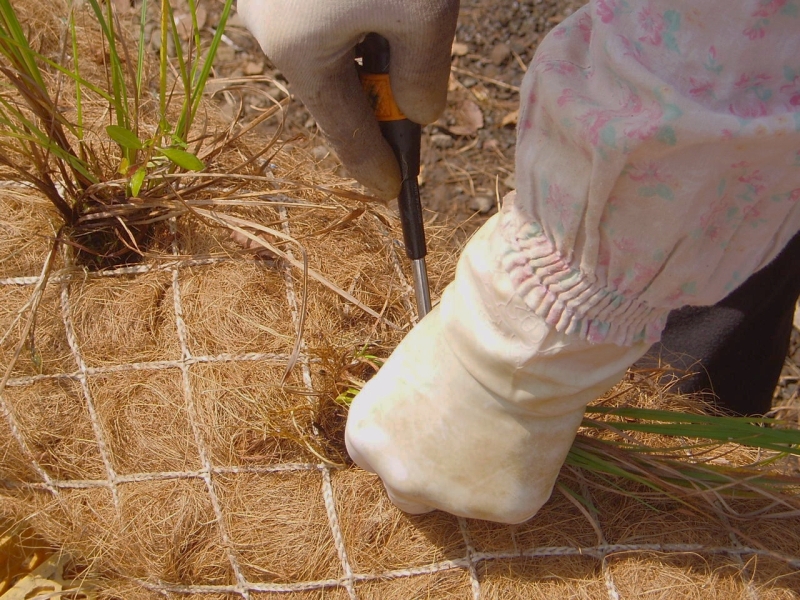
[59, 157]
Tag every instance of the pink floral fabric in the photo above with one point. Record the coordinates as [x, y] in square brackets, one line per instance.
[658, 161]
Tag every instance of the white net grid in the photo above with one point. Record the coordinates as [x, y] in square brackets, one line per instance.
[208, 473]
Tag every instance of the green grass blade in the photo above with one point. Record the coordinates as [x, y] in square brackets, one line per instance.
[200, 84]
[162, 69]
[21, 55]
[85, 83]
[35, 145]
[51, 131]
[141, 49]
[185, 160]
[753, 432]
[124, 137]
[196, 49]
[581, 457]
[137, 179]
[669, 415]
[185, 76]
[76, 67]
[118, 87]
[677, 472]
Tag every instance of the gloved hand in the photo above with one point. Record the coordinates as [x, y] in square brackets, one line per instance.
[312, 43]
[476, 409]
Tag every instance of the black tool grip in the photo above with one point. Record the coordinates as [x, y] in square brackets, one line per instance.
[403, 135]
[404, 138]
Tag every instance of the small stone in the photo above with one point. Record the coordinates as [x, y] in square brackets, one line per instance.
[469, 82]
[440, 200]
[320, 152]
[520, 45]
[481, 204]
[201, 14]
[467, 118]
[511, 181]
[500, 54]
[155, 43]
[122, 6]
[183, 23]
[492, 71]
[225, 53]
[235, 20]
[155, 40]
[274, 91]
[459, 49]
[254, 68]
[441, 140]
[491, 145]
[255, 100]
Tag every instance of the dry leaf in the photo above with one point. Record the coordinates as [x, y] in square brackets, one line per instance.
[253, 247]
[48, 581]
[510, 119]
[453, 83]
[469, 119]
[480, 92]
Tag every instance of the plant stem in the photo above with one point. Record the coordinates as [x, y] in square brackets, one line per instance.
[162, 84]
[78, 92]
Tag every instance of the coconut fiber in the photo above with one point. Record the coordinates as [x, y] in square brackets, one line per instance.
[175, 426]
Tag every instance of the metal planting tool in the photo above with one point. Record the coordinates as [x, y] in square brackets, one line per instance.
[403, 136]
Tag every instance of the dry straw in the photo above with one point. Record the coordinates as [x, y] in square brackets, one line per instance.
[174, 426]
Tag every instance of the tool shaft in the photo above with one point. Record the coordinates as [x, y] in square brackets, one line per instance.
[403, 135]
[419, 273]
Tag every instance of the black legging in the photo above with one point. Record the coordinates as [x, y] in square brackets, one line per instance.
[733, 352]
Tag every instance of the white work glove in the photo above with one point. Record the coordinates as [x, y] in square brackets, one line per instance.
[312, 42]
[476, 409]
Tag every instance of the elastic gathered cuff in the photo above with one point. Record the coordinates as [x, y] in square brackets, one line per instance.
[567, 299]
